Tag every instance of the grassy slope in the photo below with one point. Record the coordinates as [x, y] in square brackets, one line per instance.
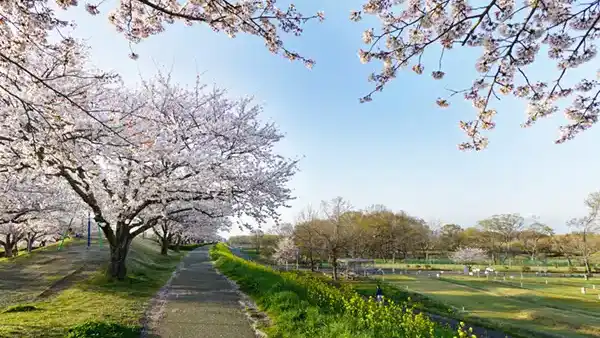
[23, 251]
[304, 306]
[95, 298]
[557, 308]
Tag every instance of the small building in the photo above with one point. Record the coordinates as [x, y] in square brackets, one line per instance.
[351, 267]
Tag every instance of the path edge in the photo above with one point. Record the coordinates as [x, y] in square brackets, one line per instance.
[155, 311]
[249, 307]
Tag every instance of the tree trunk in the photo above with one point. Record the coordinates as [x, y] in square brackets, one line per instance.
[164, 246]
[177, 243]
[30, 244]
[588, 269]
[569, 261]
[118, 254]
[8, 250]
[334, 271]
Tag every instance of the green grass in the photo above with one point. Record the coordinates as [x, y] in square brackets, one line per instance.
[459, 267]
[96, 299]
[537, 309]
[302, 305]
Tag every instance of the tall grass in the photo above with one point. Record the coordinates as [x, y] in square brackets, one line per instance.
[302, 305]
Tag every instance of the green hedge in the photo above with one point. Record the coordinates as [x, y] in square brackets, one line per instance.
[302, 305]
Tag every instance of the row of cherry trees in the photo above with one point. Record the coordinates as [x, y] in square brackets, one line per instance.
[180, 159]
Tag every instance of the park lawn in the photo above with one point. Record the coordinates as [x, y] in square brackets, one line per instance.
[541, 310]
[96, 298]
[459, 267]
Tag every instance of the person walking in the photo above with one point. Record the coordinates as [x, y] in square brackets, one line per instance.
[379, 294]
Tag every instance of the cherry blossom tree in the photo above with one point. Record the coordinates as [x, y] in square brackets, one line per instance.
[285, 251]
[468, 256]
[133, 155]
[511, 36]
[28, 210]
[183, 224]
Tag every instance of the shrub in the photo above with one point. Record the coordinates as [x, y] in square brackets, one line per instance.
[427, 267]
[573, 269]
[417, 266]
[103, 330]
[526, 269]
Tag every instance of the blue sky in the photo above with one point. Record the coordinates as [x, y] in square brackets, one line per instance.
[399, 150]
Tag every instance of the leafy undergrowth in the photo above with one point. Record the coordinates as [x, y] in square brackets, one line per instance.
[302, 305]
[113, 307]
[102, 329]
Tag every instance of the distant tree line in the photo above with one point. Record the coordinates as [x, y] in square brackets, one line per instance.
[336, 230]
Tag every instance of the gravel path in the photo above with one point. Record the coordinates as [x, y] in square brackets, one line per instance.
[198, 302]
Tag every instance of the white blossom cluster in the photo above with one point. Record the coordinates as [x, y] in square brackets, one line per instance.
[510, 36]
[286, 250]
[468, 255]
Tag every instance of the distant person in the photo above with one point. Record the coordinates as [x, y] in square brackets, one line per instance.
[379, 294]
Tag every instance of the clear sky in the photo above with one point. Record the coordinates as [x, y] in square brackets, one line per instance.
[399, 150]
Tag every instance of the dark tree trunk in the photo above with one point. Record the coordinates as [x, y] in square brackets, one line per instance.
[30, 238]
[177, 243]
[335, 267]
[164, 246]
[588, 269]
[8, 252]
[118, 255]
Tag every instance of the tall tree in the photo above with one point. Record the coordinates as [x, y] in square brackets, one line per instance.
[306, 236]
[584, 229]
[503, 229]
[532, 236]
[451, 237]
[335, 231]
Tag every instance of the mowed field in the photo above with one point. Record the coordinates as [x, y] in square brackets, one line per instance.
[556, 308]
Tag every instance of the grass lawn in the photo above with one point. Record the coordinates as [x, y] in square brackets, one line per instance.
[537, 309]
[459, 267]
[93, 298]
